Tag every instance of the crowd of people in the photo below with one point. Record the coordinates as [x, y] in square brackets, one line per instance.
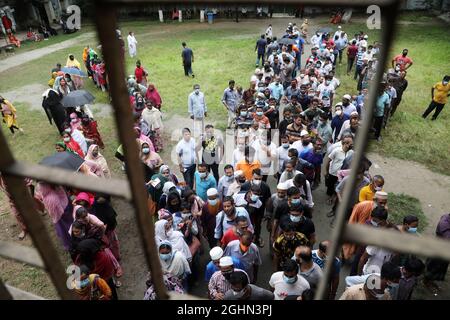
[288, 131]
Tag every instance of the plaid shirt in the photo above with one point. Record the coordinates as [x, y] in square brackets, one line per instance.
[218, 284]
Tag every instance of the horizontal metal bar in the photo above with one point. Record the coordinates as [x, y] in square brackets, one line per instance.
[18, 294]
[21, 253]
[115, 187]
[399, 242]
[258, 2]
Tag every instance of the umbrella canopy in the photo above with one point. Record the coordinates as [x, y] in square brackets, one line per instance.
[325, 30]
[64, 160]
[287, 41]
[73, 71]
[77, 98]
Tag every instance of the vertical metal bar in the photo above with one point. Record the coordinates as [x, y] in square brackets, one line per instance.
[389, 12]
[4, 292]
[106, 25]
[36, 228]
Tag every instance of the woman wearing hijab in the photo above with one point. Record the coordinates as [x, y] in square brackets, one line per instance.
[90, 253]
[71, 144]
[173, 261]
[62, 86]
[168, 187]
[143, 138]
[51, 82]
[90, 131]
[51, 102]
[165, 171]
[153, 96]
[59, 208]
[72, 62]
[75, 122]
[164, 232]
[153, 117]
[9, 114]
[150, 158]
[103, 210]
[173, 202]
[94, 155]
[60, 147]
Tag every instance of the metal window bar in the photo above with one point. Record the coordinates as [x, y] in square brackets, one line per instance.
[135, 192]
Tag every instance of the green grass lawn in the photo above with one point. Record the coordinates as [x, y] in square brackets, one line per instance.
[401, 205]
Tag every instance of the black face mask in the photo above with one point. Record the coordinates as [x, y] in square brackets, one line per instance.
[305, 143]
[227, 275]
[345, 103]
[242, 181]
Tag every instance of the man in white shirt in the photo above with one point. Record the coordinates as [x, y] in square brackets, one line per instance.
[269, 32]
[327, 89]
[282, 153]
[187, 156]
[288, 282]
[197, 109]
[315, 39]
[347, 106]
[266, 154]
[303, 144]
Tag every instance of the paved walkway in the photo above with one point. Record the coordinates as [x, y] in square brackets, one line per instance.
[24, 57]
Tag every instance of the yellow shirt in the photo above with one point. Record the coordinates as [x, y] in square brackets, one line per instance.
[441, 92]
[366, 193]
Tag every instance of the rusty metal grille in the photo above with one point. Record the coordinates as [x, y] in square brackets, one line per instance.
[45, 256]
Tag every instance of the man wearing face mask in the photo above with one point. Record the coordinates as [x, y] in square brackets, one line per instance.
[249, 163]
[197, 109]
[236, 185]
[308, 269]
[235, 232]
[187, 156]
[286, 244]
[230, 100]
[368, 192]
[219, 284]
[288, 282]
[225, 181]
[250, 199]
[226, 218]
[282, 154]
[319, 257]
[293, 197]
[247, 252]
[203, 181]
[301, 223]
[326, 89]
[242, 290]
[403, 60]
[439, 97]
[338, 120]
[347, 106]
[216, 254]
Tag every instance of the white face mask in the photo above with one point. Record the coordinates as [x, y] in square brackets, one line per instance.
[67, 130]
[256, 182]
[146, 150]
[67, 139]
[185, 215]
[338, 112]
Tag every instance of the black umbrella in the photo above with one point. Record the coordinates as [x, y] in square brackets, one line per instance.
[64, 160]
[77, 98]
[287, 41]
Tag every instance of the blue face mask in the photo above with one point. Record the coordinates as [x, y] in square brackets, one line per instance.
[243, 113]
[254, 197]
[212, 202]
[374, 223]
[259, 113]
[295, 218]
[295, 201]
[165, 256]
[412, 230]
[289, 280]
[286, 145]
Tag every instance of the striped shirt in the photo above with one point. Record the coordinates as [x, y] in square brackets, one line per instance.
[359, 60]
[218, 284]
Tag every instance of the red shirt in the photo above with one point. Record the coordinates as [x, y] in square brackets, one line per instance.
[228, 236]
[352, 50]
[402, 61]
[139, 73]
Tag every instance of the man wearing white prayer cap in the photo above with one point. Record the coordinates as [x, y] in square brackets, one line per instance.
[218, 284]
[216, 254]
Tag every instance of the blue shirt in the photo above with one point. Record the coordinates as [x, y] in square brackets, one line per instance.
[187, 55]
[231, 98]
[211, 268]
[202, 185]
[336, 124]
[261, 46]
[300, 43]
[197, 105]
[276, 90]
[315, 159]
[382, 101]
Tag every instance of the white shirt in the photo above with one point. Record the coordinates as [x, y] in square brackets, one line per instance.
[267, 163]
[240, 201]
[282, 154]
[378, 256]
[348, 109]
[367, 56]
[283, 289]
[300, 147]
[345, 126]
[337, 157]
[220, 230]
[223, 185]
[237, 156]
[325, 90]
[186, 151]
[309, 199]
[315, 39]
[284, 176]
[269, 32]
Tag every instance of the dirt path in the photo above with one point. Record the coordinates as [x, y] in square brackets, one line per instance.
[411, 178]
[21, 58]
